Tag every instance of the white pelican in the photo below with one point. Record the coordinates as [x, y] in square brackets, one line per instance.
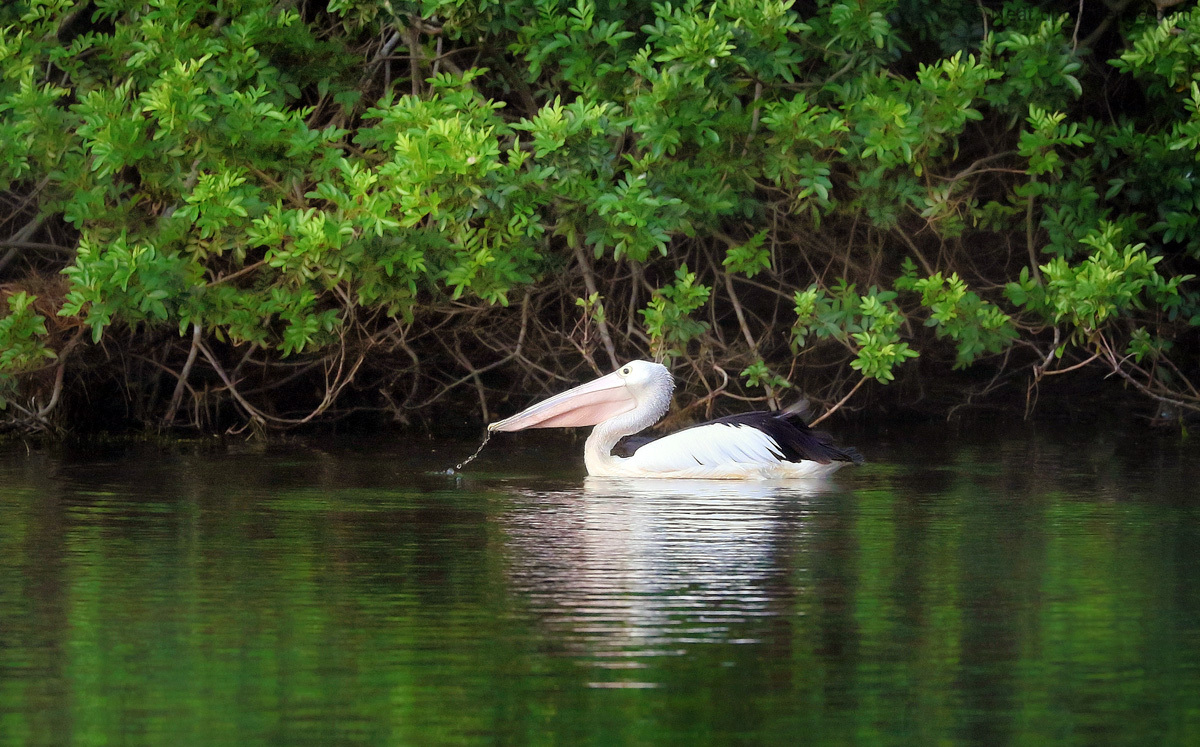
[750, 446]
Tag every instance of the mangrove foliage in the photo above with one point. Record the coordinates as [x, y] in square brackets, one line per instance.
[274, 212]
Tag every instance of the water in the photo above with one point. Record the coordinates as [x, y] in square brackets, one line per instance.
[970, 586]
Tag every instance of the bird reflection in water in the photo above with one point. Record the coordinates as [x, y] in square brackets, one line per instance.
[628, 568]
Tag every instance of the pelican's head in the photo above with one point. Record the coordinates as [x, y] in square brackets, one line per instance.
[639, 385]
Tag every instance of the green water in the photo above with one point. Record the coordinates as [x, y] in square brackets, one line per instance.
[966, 586]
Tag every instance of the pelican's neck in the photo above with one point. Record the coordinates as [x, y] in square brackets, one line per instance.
[597, 452]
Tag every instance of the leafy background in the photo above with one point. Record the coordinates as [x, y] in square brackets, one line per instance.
[263, 214]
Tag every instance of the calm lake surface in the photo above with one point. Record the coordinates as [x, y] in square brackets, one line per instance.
[969, 585]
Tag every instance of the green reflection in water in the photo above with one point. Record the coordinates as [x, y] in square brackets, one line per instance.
[1022, 590]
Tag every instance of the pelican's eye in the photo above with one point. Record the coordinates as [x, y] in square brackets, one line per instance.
[625, 371]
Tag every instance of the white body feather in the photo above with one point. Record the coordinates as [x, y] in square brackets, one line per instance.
[717, 451]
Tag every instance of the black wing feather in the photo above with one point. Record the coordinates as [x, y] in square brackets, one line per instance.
[787, 429]
[796, 440]
[626, 446]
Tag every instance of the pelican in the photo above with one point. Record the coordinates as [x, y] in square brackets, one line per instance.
[749, 446]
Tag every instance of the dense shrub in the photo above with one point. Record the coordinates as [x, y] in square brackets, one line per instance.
[271, 212]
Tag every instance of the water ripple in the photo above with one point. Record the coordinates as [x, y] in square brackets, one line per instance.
[642, 567]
